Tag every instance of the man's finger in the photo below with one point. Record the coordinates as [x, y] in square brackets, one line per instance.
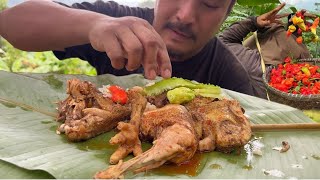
[282, 15]
[132, 46]
[280, 6]
[163, 59]
[156, 58]
[114, 51]
[164, 63]
[151, 45]
[277, 9]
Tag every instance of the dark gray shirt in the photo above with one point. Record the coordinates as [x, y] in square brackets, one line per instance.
[214, 64]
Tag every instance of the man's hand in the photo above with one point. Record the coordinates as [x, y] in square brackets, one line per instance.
[271, 17]
[131, 42]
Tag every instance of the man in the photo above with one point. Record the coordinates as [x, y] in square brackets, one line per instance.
[174, 39]
[272, 38]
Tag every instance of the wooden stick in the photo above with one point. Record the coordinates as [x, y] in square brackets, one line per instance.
[293, 126]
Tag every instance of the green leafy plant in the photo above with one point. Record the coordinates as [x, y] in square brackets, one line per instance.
[15, 60]
[3, 4]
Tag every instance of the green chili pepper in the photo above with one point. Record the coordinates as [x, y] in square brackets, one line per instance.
[206, 90]
[210, 92]
[167, 84]
[284, 72]
[180, 95]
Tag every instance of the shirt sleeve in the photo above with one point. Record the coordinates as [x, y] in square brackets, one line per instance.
[238, 31]
[248, 57]
[114, 9]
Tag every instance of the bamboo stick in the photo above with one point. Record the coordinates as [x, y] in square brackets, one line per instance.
[293, 126]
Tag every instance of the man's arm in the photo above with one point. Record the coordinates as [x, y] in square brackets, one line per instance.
[241, 29]
[130, 42]
[45, 25]
[238, 31]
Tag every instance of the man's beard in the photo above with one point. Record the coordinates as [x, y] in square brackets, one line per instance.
[184, 28]
[174, 55]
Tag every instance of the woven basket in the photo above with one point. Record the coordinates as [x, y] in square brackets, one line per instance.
[295, 100]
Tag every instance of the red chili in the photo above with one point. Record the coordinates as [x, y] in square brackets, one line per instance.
[118, 95]
[296, 78]
[299, 40]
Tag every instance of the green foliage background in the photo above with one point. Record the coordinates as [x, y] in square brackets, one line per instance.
[14, 60]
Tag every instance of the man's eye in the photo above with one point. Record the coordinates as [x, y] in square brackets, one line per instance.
[210, 6]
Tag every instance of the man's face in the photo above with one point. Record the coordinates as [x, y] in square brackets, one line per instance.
[187, 25]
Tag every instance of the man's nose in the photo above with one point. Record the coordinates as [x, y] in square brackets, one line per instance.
[187, 11]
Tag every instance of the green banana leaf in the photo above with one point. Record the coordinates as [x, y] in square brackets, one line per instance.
[30, 148]
[256, 2]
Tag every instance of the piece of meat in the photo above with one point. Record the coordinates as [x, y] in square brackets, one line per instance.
[79, 97]
[224, 126]
[86, 113]
[158, 100]
[172, 125]
[174, 140]
[96, 121]
[128, 137]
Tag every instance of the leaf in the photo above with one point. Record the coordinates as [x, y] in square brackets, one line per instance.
[293, 9]
[30, 148]
[256, 2]
[11, 171]
[314, 114]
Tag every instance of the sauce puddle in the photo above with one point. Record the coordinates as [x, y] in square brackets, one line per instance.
[189, 168]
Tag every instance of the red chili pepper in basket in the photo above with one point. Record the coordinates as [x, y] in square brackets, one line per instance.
[313, 69]
[317, 85]
[315, 90]
[306, 81]
[299, 40]
[299, 32]
[287, 59]
[296, 78]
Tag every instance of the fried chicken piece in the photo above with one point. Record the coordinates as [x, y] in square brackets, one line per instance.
[86, 113]
[78, 99]
[96, 121]
[224, 126]
[174, 140]
[128, 137]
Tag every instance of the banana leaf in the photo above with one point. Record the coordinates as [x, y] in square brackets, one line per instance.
[30, 148]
